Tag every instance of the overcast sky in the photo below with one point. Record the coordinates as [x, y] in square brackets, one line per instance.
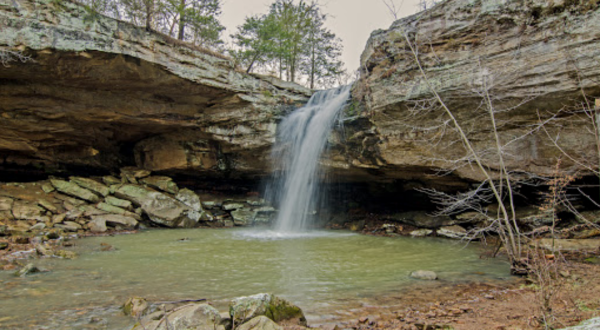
[351, 20]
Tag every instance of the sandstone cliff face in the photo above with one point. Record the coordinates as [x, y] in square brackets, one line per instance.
[533, 58]
[101, 93]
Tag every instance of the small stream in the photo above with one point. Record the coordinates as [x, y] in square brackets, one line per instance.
[323, 272]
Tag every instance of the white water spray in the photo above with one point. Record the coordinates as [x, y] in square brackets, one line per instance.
[301, 139]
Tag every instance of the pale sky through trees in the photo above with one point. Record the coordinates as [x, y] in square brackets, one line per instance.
[351, 20]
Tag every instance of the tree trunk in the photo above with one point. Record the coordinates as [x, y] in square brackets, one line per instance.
[181, 21]
[149, 14]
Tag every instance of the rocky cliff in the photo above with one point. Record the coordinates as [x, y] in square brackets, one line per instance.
[530, 61]
[97, 93]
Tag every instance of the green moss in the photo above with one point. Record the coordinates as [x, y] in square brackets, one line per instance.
[279, 310]
[267, 93]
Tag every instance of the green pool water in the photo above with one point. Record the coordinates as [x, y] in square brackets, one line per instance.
[322, 272]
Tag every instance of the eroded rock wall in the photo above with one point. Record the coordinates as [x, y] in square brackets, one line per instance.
[531, 60]
[100, 93]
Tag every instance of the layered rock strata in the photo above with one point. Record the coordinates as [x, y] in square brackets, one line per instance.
[100, 93]
[528, 61]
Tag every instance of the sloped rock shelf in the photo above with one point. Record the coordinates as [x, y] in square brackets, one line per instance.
[325, 274]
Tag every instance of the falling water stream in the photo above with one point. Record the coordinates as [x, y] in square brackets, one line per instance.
[300, 142]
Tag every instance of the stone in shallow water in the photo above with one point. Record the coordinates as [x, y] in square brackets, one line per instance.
[421, 232]
[243, 217]
[135, 307]
[97, 225]
[456, 232]
[30, 269]
[277, 309]
[424, 275]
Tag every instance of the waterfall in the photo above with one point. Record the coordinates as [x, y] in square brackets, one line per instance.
[301, 138]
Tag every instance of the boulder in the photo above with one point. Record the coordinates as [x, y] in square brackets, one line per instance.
[68, 226]
[110, 180]
[118, 202]
[97, 225]
[38, 226]
[456, 232]
[6, 205]
[424, 275]
[244, 309]
[132, 174]
[47, 187]
[243, 217]
[190, 199]
[48, 205]
[116, 210]
[231, 206]
[188, 317]
[421, 232]
[26, 210]
[260, 323]
[160, 208]
[163, 183]
[92, 185]
[73, 189]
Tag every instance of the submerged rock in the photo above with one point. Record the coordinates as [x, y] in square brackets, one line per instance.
[30, 269]
[424, 275]
[277, 309]
[135, 307]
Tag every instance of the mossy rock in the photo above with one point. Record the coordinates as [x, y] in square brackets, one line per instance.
[277, 309]
[281, 310]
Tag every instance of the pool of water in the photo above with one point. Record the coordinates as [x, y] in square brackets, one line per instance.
[322, 272]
